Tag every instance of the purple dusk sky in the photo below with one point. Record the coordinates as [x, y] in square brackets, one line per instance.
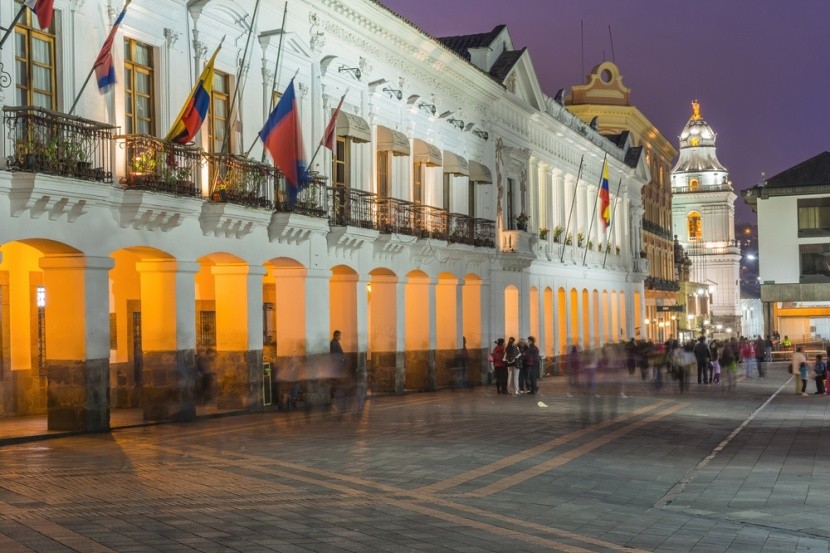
[760, 68]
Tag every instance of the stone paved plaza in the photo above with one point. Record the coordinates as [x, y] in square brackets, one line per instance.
[471, 471]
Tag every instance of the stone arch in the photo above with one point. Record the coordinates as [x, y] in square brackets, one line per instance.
[595, 312]
[586, 319]
[511, 311]
[562, 320]
[548, 318]
[382, 329]
[417, 341]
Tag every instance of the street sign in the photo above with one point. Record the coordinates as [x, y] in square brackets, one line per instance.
[670, 309]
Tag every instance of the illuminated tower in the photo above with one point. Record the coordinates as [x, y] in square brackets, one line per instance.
[703, 215]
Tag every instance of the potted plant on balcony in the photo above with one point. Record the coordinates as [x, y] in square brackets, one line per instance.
[590, 244]
[568, 239]
[618, 250]
[142, 168]
[521, 222]
[184, 184]
[580, 238]
[543, 233]
[557, 233]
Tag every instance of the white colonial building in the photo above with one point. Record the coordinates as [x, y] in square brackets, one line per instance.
[703, 220]
[793, 210]
[460, 203]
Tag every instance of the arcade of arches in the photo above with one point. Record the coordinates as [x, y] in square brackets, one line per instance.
[83, 334]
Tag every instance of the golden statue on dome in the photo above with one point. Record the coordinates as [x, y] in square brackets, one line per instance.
[695, 110]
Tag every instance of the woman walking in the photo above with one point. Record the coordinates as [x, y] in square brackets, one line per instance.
[499, 367]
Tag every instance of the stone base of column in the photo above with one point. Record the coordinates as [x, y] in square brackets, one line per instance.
[417, 370]
[168, 379]
[381, 372]
[446, 361]
[400, 372]
[239, 380]
[77, 395]
[431, 370]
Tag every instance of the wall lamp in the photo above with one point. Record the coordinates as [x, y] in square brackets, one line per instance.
[355, 71]
[427, 107]
[457, 122]
[484, 135]
[394, 93]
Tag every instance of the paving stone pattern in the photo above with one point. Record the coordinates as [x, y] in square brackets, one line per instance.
[471, 471]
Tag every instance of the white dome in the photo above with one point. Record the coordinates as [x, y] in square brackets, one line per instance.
[697, 146]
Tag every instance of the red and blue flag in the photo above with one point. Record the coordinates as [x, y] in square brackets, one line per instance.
[283, 138]
[43, 10]
[104, 66]
[605, 197]
[193, 113]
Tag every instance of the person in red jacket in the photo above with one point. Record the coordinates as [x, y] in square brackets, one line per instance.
[500, 367]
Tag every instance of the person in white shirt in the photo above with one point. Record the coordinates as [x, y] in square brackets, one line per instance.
[797, 359]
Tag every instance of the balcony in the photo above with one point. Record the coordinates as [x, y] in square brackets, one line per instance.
[654, 228]
[701, 189]
[240, 180]
[353, 208]
[396, 216]
[44, 141]
[731, 247]
[159, 166]
[661, 284]
[430, 222]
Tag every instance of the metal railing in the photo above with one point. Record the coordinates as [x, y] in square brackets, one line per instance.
[160, 166]
[484, 231]
[430, 222]
[461, 229]
[396, 216]
[311, 200]
[354, 208]
[654, 228]
[240, 180]
[45, 141]
[732, 247]
[698, 189]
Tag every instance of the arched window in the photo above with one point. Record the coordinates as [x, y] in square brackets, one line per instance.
[695, 226]
[694, 185]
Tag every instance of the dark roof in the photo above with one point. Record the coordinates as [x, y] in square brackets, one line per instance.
[632, 156]
[618, 139]
[505, 63]
[814, 171]
[462, 43]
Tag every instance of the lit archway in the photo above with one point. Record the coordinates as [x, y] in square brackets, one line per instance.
[573, 331]
[598, 341]
[382, 315]
[417, 315]
[694, 225]
[586, 319]
[511, 311]
[562, 320]
[534, 312]
[548, 318]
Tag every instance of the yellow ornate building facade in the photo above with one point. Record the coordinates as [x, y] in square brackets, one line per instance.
[604, 102]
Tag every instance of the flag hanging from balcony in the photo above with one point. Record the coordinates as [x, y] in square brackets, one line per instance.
[330, 136]
[282, 136]
[43, 10]
[104, 66]
[193, 112]
[605, 197]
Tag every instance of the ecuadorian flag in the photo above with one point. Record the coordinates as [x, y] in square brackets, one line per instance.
[283, 138]
[193, 113]
[605, 197]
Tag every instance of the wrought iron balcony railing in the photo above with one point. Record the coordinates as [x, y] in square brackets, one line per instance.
[160, 166]
[396, 216]
[654, 228]
[311, 200]
[430, 222]
[461, 229]
[485, 233]
[354, 208]
[241, 180]
[44, 141]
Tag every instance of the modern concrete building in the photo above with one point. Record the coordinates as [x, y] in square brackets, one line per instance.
[793, 210]
[703, 214]
[605, 100]
[459, 203]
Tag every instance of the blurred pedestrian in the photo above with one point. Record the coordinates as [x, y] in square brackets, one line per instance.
[500, 366]
[511, 358]
[820, 370]
[702, 356]
[798, 360]
[533, 365]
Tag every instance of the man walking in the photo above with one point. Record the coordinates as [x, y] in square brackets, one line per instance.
[702, 357]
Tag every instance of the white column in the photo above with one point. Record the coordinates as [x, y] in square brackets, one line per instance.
[362, 304]
[459, 312]
[317, 310]
[433, 312]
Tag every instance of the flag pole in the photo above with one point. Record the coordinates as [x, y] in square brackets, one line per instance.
[594, 216]
[92, 70]
[239, 73]
[274, 79]
[320, 145]
[11, 27]
[570, 212]
[613, 219]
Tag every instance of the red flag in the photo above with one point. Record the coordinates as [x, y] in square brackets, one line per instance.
[104, 67]
[330, 136]
[43, 9]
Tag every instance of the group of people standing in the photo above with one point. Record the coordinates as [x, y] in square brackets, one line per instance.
[801, 369]
[516, 366]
